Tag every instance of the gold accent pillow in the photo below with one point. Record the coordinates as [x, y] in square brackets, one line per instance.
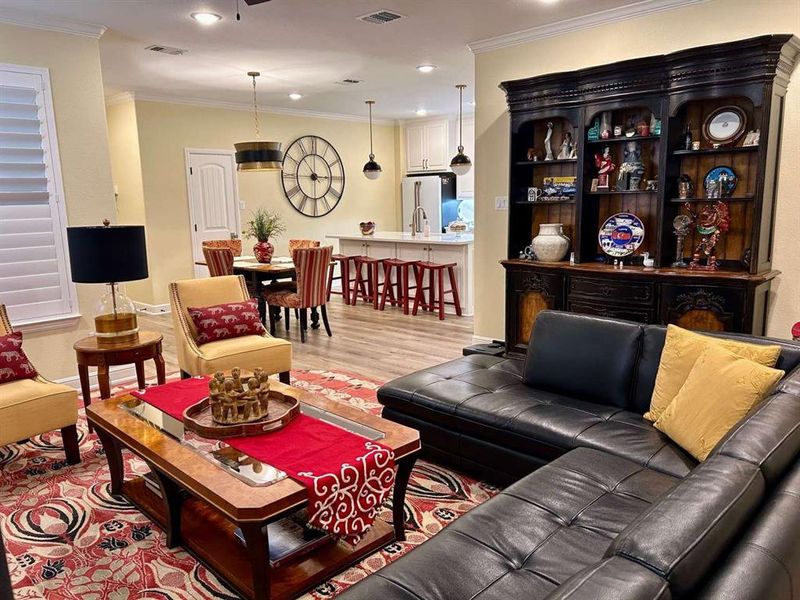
[681, 349]
[721, 389]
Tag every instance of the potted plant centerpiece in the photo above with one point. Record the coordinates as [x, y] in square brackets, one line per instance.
[264, 225]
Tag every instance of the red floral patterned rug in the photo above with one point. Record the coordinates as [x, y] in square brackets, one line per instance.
[67, 538]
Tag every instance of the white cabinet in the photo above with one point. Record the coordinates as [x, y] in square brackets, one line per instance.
[426, 146]
[465, 186]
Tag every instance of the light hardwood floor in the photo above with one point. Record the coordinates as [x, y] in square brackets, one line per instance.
[380, 345]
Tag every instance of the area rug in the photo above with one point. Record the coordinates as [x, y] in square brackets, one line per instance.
[68, 538]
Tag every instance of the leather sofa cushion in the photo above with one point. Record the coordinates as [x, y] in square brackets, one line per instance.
[483, 398]
[769, 437]
[683, 534]
[765, 563]
[528, 539]
[602, 351]
[615, 578]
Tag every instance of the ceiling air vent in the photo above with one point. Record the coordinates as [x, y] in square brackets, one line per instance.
[166, 50]
[380, 17]
[348, 82]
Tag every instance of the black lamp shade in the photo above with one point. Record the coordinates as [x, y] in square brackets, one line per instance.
[107, 254]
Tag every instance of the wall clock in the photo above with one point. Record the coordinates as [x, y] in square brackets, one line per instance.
[313, 176]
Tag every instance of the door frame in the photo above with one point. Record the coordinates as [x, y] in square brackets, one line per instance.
[187, 152]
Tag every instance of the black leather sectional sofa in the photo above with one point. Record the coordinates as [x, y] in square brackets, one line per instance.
[603, 505]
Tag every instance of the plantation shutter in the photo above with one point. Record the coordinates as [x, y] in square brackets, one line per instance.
[34, 283]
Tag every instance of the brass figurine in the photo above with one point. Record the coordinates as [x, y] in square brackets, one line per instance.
[234, 400]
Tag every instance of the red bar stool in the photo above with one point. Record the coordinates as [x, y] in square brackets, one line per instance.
[344, 275]
[401, 268]
[365, 284]
[435, 287]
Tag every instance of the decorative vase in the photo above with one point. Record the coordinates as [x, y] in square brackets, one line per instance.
[367, 227]
[263, 252]
[551, 245]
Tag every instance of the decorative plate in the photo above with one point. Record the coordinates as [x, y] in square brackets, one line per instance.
[730, 179]
[621, 235]
[725, 125]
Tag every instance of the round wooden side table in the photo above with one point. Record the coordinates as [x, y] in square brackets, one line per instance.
[90, 353]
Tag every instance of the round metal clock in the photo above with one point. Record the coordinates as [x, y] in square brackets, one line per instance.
[313, 176]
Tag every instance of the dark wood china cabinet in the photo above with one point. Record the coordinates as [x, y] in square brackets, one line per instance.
[670, 93]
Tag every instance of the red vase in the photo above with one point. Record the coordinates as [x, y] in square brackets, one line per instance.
[263, 252]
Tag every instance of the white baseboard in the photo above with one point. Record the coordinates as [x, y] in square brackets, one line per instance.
[479, 339]
[117, 375]
[152, 309]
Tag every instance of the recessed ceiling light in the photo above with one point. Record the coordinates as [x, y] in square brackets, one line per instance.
[295, 96]
[206, 18]
[426, 68]
[421, 112]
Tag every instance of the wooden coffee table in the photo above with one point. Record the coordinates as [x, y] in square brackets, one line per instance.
[203, 503]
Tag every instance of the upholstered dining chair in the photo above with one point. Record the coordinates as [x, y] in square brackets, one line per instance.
[274, 355]
[30, 407]
[311, 265]
[218, 260]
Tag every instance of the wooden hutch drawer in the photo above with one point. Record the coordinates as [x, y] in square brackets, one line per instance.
[704, 307]
[600, 309]
[628, 292]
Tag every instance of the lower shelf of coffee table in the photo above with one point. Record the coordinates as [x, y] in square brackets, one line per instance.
[208, 535]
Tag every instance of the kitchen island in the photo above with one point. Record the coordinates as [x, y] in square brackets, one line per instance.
[437, 247]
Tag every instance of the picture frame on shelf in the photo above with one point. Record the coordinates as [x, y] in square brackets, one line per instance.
[725, 125]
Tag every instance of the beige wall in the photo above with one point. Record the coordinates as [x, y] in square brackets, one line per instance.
[78, 103]
[166, 130]
[707, 23]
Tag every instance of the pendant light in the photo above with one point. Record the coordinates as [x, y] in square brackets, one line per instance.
[258, 155]
[461, 164]
[372, 170]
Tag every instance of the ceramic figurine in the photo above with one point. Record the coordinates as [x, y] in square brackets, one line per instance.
[752, 138]
[604, 166]
[573, 153]
[711, 222]
[685, 187]
[655, 125]
[617, 130]
[233, 401]
[605, 125]
[548, 148]
[566, 147]
[642, 129]
[531, 154]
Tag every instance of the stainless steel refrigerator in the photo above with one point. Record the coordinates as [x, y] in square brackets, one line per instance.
[436, 194]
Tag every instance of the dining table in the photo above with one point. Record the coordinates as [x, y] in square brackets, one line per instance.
[258, 275]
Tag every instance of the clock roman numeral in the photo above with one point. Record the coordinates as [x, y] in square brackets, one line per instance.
[292, 192]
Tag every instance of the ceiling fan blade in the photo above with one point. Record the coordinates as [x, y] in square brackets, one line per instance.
[254, 2]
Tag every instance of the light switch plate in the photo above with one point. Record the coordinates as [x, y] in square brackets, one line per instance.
[242, 205]
[501, 203]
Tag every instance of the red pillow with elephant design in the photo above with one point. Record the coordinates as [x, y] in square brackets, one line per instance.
[223, 321]
[14, 364]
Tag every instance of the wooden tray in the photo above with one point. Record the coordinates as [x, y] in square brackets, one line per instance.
[282, 409]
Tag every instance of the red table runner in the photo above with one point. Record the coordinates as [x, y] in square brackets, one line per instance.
[347, 476]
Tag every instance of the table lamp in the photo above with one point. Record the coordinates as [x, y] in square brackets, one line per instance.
[110, 254]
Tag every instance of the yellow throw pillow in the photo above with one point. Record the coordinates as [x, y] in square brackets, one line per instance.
[681, 349]
[721, 389]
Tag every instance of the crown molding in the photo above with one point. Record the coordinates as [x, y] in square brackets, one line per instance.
[50, 23]
[242, 106]
[611, 15]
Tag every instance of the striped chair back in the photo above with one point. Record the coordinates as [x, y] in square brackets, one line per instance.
[219, 261]
[299, 244]
[312, 275]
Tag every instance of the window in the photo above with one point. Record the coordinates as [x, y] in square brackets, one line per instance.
[34, 281]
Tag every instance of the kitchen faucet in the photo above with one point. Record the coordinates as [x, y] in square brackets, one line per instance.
[415, 224]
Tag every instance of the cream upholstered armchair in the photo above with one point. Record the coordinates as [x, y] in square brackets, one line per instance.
[274, 355]
[29, 407]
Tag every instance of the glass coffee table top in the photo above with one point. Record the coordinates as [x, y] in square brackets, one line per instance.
[219, 453]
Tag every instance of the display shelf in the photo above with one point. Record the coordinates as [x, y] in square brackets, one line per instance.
[733, 149]
[617, 140]
[545, 202]
[697, 200]
[619, 193]
[541, 163]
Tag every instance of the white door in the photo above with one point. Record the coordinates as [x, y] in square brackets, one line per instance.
[436, 144]
[415, 147]
[213, 199]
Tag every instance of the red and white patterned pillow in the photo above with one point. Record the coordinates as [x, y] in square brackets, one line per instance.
[14, 364]
[223, 321]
